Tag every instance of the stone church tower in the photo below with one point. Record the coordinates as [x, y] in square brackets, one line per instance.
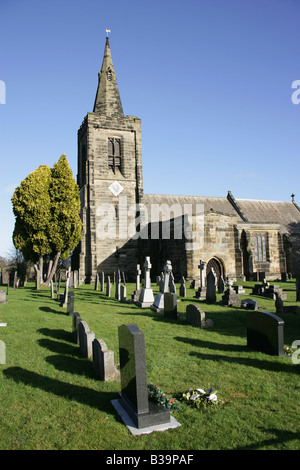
[110, 180]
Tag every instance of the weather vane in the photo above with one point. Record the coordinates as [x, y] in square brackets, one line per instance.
[108, 31]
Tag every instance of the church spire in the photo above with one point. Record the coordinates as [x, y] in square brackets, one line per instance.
[108, 101]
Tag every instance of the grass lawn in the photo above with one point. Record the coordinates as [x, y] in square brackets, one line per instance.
[52, 400]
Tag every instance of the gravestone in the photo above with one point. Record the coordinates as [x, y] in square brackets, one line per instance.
[123, 293]
[279, 304]
[2, 353]
[76, 318]
[249, 304]
[265, 332]
[3, 297]
[118, 286]
[97, 281]
[64, 298]
[195, 315]
[104, 361]
[71, 301]
[134, 391]
[146, 298]
[239, 289]
[86, 338]
[75, 279]
[211, 287]
[102, 281]
[230, 297]
[108, 286]
[221, 285]
[172, 287]
[170, 305]
[51, 290]
[182, 288]
[201, 293]
[158, 304]
[136, 295]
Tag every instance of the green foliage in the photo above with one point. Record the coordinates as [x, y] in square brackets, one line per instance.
[163, 399]
[47, 210]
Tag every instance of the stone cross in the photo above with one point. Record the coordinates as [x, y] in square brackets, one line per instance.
[147, 266]
[202, 266]
[138, 278]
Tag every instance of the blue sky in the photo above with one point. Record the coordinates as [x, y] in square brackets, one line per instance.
[210, 79]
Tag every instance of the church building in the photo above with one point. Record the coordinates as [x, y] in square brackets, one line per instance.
[239, 238]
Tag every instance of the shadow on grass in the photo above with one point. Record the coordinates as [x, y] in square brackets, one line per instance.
[281, 436]
[62, 311]
[83, 395]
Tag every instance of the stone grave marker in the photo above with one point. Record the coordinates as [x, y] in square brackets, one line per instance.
[265, 332]
[133, 405]
[97, 281]
[86, 338]
[230, 297]
[118, 286]
[158, 304]
[195, 315]
[201, 292]
[104, 361]
[182, 288]
[3, 297]
[102, 281]
[146, 298]
[136, 295]
[76, 318]
[108, 286]
[2, 353]
[249, 304]
[71, 301]
[170, 305]
[211, 287]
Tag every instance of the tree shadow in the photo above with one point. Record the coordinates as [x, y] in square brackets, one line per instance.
[84, 395]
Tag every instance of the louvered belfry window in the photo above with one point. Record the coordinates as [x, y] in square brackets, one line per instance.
[114, 153]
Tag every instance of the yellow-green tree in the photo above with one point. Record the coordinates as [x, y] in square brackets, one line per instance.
[47, 210]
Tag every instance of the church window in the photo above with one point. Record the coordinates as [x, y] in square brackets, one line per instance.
[260, 247]
[114, 153]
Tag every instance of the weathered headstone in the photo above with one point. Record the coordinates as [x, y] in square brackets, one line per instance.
[2, 353]
[158, 304]
[108, 286]
[104, 361]
[71, 301]
[51, 290]
[86, 338]
[249, 304]
[136, 295]
[230, 297]
[170, 305]
[195, 315]
[102, 281]
[118, 286]
[97, 281]
[279, 304]
[182, 288]
[134, 391]
[123, 293]
[65, 297]
[201, 292]
[221, 285]
[265, 332]
[211, 287]
[76, 318]
[3, 297]
[146, 298]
